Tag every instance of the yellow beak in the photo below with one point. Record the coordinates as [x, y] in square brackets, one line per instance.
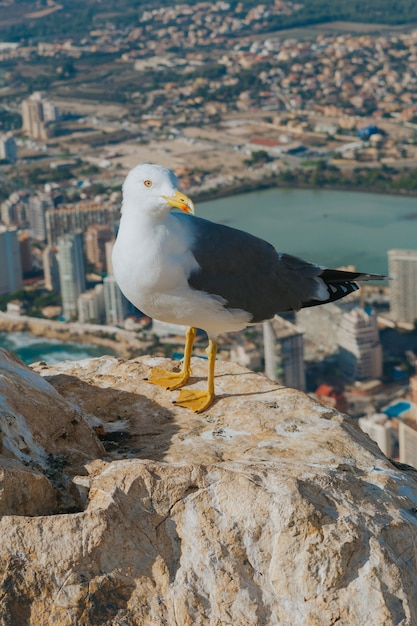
[180, 201]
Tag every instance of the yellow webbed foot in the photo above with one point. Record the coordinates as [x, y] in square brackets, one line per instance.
[197, 401]
[166, 379]
[175, 380]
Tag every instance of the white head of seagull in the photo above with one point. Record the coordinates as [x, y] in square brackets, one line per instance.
[182, 269]
[153, 189]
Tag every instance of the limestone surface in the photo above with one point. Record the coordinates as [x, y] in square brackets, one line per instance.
[268, 509]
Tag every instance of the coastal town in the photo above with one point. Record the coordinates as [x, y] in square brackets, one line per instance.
[231, 104]
[201, 89]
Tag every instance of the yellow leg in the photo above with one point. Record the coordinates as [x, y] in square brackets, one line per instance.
[199, 401]
[174, 380]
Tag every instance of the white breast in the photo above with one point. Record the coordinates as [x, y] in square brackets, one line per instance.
[152, 263]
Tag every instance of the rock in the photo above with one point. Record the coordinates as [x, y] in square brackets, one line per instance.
[24, 491]
[268, 509]
[43, 440]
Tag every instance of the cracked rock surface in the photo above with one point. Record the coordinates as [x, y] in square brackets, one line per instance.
[119, 508]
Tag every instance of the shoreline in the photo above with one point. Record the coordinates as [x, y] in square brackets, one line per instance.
[122, 342]
[235, 190]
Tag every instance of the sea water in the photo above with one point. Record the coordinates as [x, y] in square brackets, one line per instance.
[31, 348]
[332, 228]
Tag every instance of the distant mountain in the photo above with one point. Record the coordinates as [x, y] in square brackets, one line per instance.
[28, 19]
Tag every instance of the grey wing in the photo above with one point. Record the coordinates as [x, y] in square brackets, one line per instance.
[248, 272]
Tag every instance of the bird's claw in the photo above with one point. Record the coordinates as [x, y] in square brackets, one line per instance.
[166, 379]
[197, 401]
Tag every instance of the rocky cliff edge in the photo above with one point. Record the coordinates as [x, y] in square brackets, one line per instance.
[119, 508]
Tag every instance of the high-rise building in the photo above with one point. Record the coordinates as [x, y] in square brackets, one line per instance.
[37, 113]
[380, 429]
[25, 249]
[96, 237]
[10, 262]
[51, 269]
[66, 219]
[38, 205]
[91, 309]
[32, 118]
[284, 352]
[71, 272]
[407, 436]
[8, 150]
[360, 350]
[116, 304]
[402, 268]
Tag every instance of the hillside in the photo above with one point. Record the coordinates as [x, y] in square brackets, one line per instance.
[27, 19]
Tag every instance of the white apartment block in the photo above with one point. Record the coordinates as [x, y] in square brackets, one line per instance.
[114, 301]
[37, 113]
[38, 205]
[402, 269]
[360, 350]
[71, 272]
[379, 428]
[407, 437]
[284, 352]
[91, 309]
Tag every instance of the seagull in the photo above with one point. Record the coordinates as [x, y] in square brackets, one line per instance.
[182, 269]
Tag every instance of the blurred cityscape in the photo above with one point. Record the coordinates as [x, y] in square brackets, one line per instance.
[208, 91]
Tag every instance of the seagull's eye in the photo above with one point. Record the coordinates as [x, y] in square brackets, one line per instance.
[147, 183]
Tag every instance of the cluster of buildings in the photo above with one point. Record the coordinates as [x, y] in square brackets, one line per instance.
[202, 24]
[65, 269]
[283, 348]
[337, 75]
[394, 428]
[205, 22]
[74, 245]
[39, 116]
[206, 63]
[344, 74]
[334, 75]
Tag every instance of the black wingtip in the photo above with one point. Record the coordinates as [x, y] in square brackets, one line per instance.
[365, 277]
[341, 276]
